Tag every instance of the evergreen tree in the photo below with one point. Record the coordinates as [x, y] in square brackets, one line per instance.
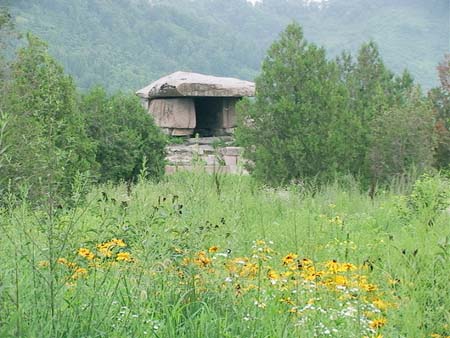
[373, 89]
[298, 126]
[47, 139]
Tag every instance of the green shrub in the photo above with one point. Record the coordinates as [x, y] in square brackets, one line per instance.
[430, 195]
[125, 135]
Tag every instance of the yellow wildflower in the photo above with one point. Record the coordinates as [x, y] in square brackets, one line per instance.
[178, 250]
[393, 282]
[65, 262]
[305, 264]
[124, 257]
[213, 249]
[62, 261]
[369, 287]
[332, 266]
[43, 264]
[80, 272]
[289, 259]
[336, 220]
[348, 267]
[117, 242]
[273, 275]
[249, 270]
[340, 280]
[380, 304]
[104, 249]
[86, 253]
[377, 323]
[202, 260]
[287, 300]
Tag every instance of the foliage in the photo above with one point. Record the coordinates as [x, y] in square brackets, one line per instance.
[316, 118]
[430, 197]
[440, 98]
[126, 44]
[402, 138]
[41, 100]
[299, 122]
[174, 259]
[7, 34]
[108, 137]
[125, 136]
[372, 89]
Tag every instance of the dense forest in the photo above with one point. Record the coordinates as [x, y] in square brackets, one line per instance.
[126, 44]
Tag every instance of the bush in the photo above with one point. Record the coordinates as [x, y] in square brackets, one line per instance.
[125, 135]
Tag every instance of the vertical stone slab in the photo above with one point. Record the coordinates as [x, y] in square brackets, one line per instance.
[228, 119]
[173, 113]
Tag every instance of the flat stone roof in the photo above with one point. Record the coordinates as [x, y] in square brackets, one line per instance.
[184, 84]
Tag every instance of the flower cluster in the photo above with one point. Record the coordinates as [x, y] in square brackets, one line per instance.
[106, 253]
[327, 297]
[113, 250]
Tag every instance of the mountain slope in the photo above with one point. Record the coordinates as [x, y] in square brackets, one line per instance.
[126, 44]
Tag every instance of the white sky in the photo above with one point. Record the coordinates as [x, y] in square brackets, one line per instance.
[308, 2]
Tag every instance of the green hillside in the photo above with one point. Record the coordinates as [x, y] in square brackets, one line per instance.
[125, 44]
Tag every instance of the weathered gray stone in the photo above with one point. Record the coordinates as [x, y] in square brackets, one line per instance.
[228, 114]
[182, 132]
[178, 149]
[204, 158]
[211, 160]
[170, 169]
[177, 113]
[194, 84]
[209, 140]
[231, 151]
[230, 160]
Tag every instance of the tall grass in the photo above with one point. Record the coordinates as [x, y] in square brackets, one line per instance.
[168, 261]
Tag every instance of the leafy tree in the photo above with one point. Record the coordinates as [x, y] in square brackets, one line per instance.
[298, 126]
[402, 138]
[5, 26]
[7, 33]
[440, 97]
[126, 137]
[47, 142]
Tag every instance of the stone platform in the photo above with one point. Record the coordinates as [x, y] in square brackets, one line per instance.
[208, 154]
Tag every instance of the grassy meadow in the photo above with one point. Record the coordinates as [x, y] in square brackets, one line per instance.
[201, 255]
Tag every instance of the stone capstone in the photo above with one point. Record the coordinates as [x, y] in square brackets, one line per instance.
[181, 84]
